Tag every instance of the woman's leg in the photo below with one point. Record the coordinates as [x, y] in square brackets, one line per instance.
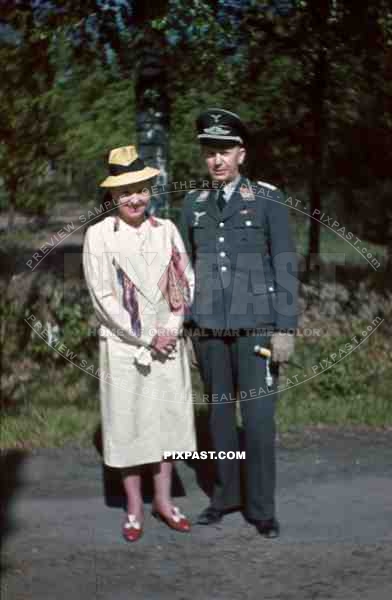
[132, 484]
[162, 504]
[162, 474]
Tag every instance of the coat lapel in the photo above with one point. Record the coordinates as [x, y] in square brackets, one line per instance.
[144, 268]
[211, 207]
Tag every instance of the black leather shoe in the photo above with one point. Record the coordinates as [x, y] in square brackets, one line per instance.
[210, 516]
[269, 528]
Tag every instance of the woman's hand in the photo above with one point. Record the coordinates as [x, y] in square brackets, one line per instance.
[165, 344]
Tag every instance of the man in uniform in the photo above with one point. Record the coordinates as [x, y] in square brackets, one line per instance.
[238, 236]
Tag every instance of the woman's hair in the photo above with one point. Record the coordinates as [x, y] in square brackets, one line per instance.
[105, 204]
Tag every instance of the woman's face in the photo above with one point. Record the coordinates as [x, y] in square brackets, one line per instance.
[132, 201]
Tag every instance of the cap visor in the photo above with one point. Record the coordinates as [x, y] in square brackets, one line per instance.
[226, 141]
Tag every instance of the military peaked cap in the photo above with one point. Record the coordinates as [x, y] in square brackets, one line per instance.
[217, 125]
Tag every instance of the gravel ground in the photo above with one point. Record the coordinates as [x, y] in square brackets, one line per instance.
[334, 502]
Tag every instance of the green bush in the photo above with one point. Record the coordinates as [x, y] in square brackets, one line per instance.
[354, 390]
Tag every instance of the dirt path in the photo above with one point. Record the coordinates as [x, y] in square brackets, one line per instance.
[335, 507]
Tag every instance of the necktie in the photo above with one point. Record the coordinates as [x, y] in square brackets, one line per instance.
[221, 200]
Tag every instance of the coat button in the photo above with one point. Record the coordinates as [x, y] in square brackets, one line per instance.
[221, 224]
[221, 239]
[223, 268]
[222, 254]
[248, 223]
[271, 289]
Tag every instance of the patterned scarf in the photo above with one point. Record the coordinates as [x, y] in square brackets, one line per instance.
[178, 292]
[130, 302]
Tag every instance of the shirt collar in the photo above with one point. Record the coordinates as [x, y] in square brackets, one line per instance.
[230, 187]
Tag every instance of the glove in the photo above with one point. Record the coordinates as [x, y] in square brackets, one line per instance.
[143, 357]
[282, 346]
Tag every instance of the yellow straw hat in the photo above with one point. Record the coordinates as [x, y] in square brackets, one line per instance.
[125, 167]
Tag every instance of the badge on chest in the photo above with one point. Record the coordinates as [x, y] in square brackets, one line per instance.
[197, 216]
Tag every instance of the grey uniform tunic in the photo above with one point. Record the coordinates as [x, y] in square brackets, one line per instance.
[243, 259]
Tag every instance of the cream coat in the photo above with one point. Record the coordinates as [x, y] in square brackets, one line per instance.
[146, 403]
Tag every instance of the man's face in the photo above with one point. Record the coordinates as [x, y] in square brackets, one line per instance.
[223, 163]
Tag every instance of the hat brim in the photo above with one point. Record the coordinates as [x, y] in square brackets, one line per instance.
[214, 140]
[128, 178]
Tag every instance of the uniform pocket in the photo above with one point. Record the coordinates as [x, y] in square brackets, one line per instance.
[249, 234]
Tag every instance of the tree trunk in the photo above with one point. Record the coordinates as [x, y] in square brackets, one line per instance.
[11, 206]
[153, 113]
[318, 95]
[388, 266]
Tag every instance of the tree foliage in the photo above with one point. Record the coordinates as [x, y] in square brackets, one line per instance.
[311, 79]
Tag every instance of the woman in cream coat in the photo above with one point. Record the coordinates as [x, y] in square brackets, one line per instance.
[141, 284]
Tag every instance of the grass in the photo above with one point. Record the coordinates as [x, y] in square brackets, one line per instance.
[371, 407]
[354, 391]
[57, 406]
[43, 427]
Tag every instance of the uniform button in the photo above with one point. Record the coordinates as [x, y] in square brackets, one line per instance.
[221, 239]
[223, 268]
[270, 289]
[222, 254]
[248, 223]
[221, 224]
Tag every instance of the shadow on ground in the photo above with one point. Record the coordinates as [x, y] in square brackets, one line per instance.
[10, 482]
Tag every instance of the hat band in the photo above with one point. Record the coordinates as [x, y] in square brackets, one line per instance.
[136, 165]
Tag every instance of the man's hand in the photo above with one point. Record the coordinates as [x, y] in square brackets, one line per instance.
[282, 345]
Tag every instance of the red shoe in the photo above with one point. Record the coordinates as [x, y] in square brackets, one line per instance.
[177, 521]
[132, 529]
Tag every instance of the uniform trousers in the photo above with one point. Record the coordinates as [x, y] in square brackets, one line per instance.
[230, 368]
